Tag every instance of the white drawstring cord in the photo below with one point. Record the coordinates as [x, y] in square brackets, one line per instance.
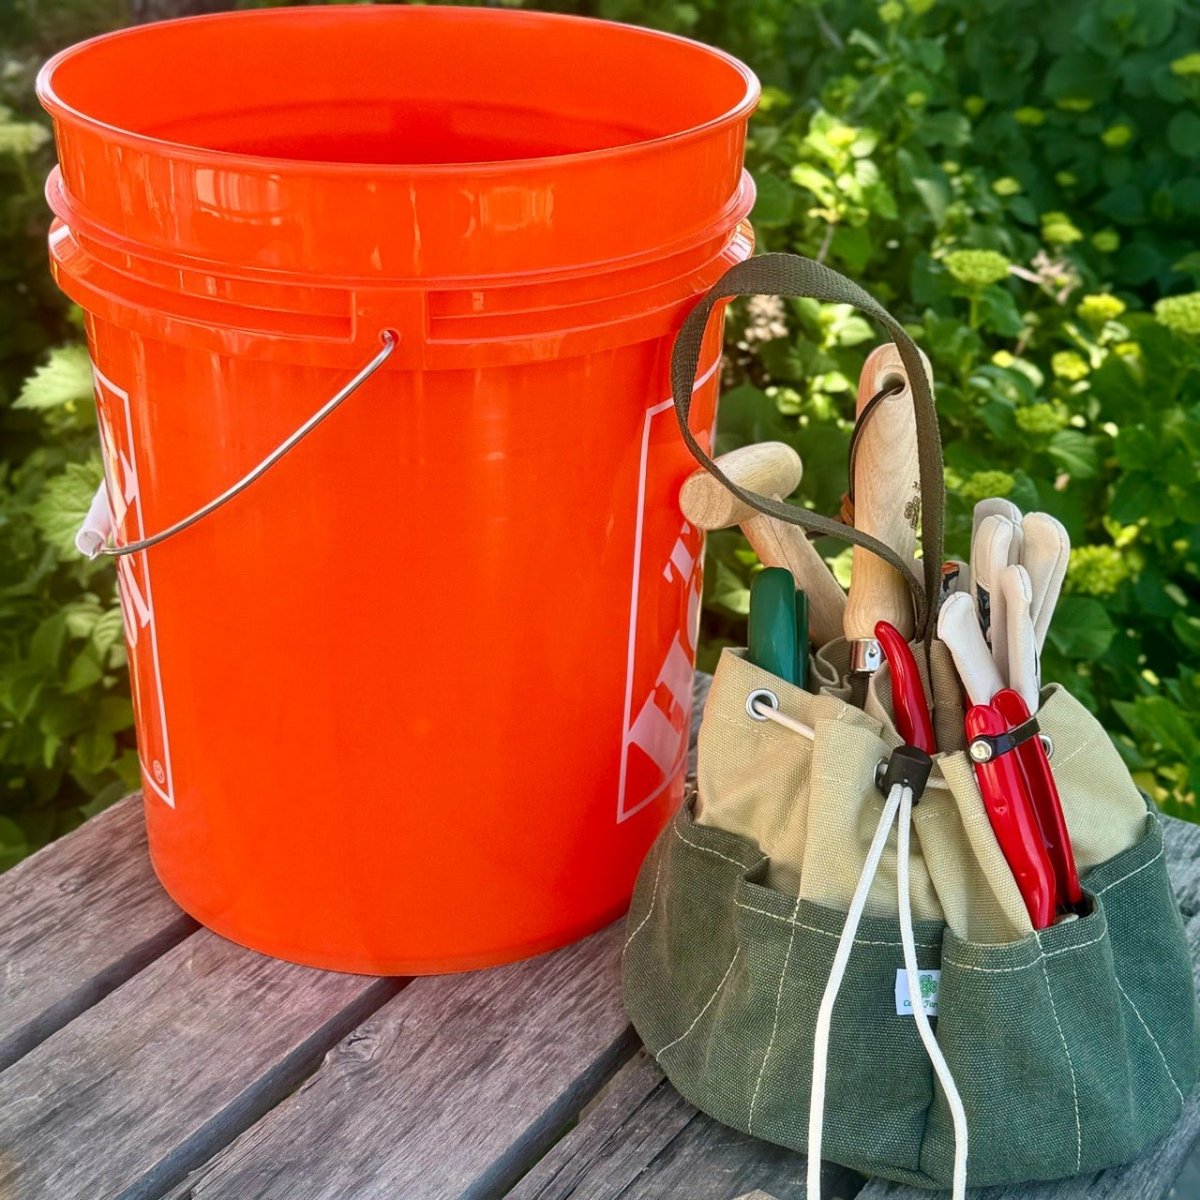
[958, 1113]
[767, 713]
[773, 714]
[841, 957]
[900, 800]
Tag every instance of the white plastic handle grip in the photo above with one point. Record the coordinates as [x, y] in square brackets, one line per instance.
[97, 526]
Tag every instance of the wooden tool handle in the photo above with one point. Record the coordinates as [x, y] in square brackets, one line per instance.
[887, 499]
[771, 469]
[778, 544]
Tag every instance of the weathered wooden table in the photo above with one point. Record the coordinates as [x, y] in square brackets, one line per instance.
[144, 1057]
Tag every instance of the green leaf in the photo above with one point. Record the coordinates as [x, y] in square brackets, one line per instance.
[998, 311]
[114, 714]
[749, 415]
[948, 129]
[81, 617]
[728, 591]
[1161, 721]
[21, 692]
[1125, 204]
[84, 670]
[105, 797]
[1081, 628]
[1187, 630]
[1083, 75]
[1183, 134]
[129, 770]
[999, 416]
[849, 329]
[108, 630]
[774, 201]
[50, 749]
[853, 247]
[816, 182]
[65, 379]
[935, 195]
[13, 843]
[47, 642]
[1138, 449]
[94, 750]
[63, 716]
[1134, 498]
[1075, 453]
[64, 502]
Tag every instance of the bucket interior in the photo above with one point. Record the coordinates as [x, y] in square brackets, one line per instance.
[397, 86]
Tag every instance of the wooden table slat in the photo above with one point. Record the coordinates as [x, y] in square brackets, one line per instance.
[643, 1141]
[453, 1089]
[77, 920]
[164, 1071]
[1183, 863]
[135, 1048]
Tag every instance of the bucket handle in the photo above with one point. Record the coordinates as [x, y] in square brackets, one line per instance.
[95, 535]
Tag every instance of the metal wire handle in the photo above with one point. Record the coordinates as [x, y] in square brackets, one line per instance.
[390, 341]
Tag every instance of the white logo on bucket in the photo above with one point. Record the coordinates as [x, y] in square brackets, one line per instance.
[658, 730]
[133, 583]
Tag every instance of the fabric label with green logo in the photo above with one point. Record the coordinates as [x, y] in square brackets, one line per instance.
[929, 992]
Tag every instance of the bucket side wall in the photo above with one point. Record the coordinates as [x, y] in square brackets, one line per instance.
[406, 671]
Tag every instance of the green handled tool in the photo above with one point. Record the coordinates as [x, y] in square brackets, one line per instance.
[778, 634]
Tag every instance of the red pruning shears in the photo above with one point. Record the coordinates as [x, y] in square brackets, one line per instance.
[908, 692]
[1014, 777]
[1043, 791]
[1022, 804]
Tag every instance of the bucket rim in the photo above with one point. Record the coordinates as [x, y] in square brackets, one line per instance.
[60, 109]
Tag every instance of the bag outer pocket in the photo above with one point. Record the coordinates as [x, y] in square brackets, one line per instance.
[723, 979]
[1074, 1048]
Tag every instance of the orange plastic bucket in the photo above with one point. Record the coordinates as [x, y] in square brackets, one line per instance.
[417, 699]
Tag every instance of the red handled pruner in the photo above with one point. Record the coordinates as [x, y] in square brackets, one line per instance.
[1043, 791]
[1022, 804]
[1009, 808]
[908, 693]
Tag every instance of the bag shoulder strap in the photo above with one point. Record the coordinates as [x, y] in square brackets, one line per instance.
[795, 276]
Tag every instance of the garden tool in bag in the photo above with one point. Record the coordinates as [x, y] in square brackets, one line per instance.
[830, 948]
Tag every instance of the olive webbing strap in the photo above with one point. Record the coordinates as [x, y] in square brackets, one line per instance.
[792, 275]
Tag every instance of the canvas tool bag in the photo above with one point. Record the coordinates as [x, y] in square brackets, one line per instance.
[794, 930]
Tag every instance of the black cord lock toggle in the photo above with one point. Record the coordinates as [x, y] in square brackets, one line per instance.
[908, 766]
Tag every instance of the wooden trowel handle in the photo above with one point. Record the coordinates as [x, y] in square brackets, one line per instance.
[778, 544]
[887, 499]
[770, 469]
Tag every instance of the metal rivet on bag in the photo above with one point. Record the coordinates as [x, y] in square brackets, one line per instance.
[880, 772]
[766, 697]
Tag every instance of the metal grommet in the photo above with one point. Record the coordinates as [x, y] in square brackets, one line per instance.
[980, 750]
[1047, 744]
[880, 771]
[767, 697]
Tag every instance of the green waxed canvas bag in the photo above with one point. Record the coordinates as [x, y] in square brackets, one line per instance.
[1073, 1048]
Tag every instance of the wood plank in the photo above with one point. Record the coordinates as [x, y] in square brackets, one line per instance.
[77, 919]
[1182, 840]
[451, 1090]
[643, 1140]
[151, 1081]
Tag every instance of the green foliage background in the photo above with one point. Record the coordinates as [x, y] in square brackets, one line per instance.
[894, 139]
